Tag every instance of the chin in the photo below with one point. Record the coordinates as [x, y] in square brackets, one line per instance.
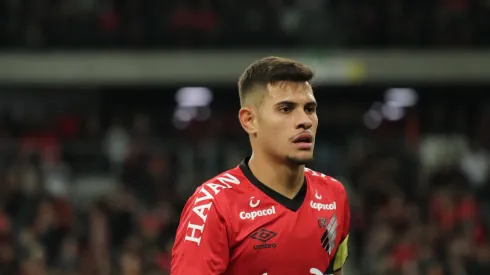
[302, 158]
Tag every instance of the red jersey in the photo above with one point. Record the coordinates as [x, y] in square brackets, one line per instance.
[235, 225]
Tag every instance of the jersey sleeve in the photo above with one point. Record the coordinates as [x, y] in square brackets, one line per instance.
[342, 252]
[201, 243]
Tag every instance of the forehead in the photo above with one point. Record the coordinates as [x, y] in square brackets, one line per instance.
[289, 90]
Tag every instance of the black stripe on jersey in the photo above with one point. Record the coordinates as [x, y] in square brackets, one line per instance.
[325, 240]
[292, 204]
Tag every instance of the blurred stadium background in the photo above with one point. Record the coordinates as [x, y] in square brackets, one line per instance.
[113, 111]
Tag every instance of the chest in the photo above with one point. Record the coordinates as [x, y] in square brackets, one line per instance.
[281, 241]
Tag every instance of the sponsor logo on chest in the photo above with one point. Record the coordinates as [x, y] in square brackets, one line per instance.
[259, 213]
[252, 215]
[322, 206]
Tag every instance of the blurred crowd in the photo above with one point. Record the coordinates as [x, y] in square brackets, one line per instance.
[424, 211]
[85, 24]
[100, 193]
[48, 227]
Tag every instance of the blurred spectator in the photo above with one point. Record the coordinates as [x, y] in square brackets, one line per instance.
[208, 23]
[117, 145]
[476, 165]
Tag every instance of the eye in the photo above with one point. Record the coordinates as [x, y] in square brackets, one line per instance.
[310, 109]
[285, 109]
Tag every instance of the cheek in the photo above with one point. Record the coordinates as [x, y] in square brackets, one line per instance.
[276, 131]
[272, 129]
[315, 121]
[267, 128]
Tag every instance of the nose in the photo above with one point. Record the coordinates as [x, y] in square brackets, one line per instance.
[304, 122]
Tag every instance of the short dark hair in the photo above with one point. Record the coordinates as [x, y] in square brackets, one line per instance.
[269, 70]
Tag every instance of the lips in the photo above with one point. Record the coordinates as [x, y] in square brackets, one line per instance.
[303, 138]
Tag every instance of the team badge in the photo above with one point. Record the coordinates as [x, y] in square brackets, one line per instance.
[322, 222]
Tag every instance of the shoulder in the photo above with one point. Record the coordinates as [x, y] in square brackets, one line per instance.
[219, 188]
[209, 202]
[322, 181]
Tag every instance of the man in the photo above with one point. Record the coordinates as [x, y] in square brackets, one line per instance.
[270, 215]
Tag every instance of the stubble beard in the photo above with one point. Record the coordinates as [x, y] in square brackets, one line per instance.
[297, 161]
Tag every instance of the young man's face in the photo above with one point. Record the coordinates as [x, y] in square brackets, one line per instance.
[287, 121]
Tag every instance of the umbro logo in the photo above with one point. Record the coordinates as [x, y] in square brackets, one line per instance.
[263, 235]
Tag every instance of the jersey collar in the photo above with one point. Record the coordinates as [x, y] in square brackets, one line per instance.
[292, 204]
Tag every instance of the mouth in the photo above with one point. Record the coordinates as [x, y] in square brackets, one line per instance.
[304, 140]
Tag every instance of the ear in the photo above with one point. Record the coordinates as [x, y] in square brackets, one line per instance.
[248, 120]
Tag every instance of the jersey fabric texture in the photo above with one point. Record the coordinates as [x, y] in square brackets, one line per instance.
[235, 225]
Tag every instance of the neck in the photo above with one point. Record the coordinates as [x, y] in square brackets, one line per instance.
[284, 178]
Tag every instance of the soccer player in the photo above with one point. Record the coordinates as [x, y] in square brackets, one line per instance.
[269, 215]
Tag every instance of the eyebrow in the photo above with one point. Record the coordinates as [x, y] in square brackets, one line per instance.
[292, 103]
